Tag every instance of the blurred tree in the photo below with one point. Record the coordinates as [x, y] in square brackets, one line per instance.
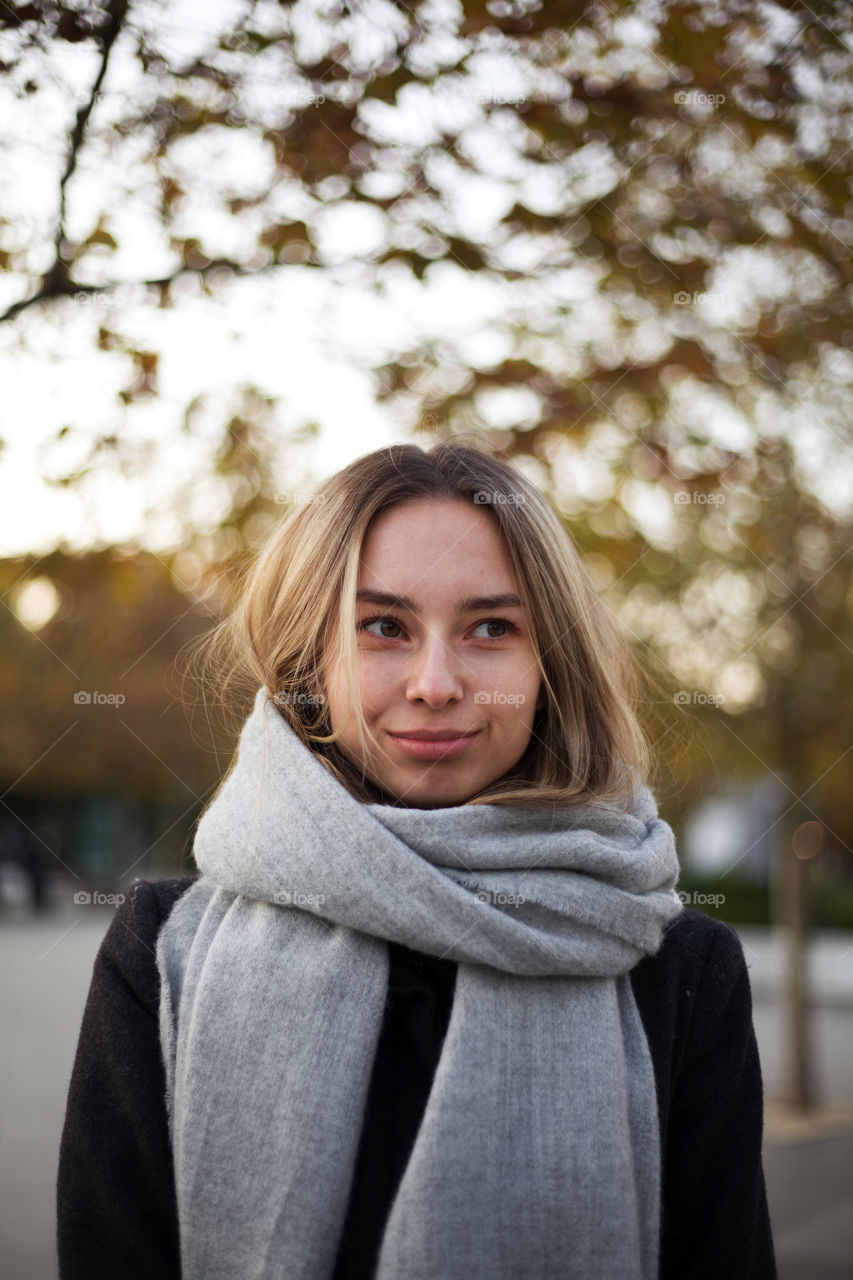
[657, 194]
[88, 678]
[651, 203]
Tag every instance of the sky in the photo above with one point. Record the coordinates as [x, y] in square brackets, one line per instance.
[206, 350]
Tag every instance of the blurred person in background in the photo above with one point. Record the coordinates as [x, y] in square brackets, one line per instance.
[20, 852]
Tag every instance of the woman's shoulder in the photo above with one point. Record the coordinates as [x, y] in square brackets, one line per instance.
[147, 903]
[128, 949]
[695, 938]
[161, 895]
[154, 899]
[695, 988]
[695, 947]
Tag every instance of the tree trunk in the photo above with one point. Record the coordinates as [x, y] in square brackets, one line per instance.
[790, 914]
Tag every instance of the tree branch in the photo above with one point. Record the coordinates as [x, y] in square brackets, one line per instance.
[107, 37]
[54, 286]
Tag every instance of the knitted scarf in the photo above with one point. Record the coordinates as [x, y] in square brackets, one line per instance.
[538, 1153]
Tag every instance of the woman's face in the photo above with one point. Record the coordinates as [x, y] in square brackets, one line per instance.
[434, 654]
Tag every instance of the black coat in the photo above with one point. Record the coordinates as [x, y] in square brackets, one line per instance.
[117, 1217]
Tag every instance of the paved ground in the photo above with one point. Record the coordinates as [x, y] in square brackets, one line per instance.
[810, 1191]
[45, 968]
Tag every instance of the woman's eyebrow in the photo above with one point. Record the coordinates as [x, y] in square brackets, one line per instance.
[471, 604]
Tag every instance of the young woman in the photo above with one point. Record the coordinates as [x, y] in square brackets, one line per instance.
[432, 1008]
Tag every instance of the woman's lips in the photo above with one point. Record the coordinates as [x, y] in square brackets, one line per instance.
[423, 749]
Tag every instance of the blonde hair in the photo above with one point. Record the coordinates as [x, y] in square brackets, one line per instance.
[296, 607]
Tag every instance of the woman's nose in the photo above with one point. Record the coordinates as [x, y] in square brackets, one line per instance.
[436, 672]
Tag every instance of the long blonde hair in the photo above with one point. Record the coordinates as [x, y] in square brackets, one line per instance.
[297, 605]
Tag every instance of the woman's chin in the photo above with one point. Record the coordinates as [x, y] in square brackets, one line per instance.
[424, 794]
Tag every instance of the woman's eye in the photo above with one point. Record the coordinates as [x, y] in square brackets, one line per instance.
[384, 622]
[508, 627]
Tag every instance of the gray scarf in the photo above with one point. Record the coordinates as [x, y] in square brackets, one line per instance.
[538, 1153]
